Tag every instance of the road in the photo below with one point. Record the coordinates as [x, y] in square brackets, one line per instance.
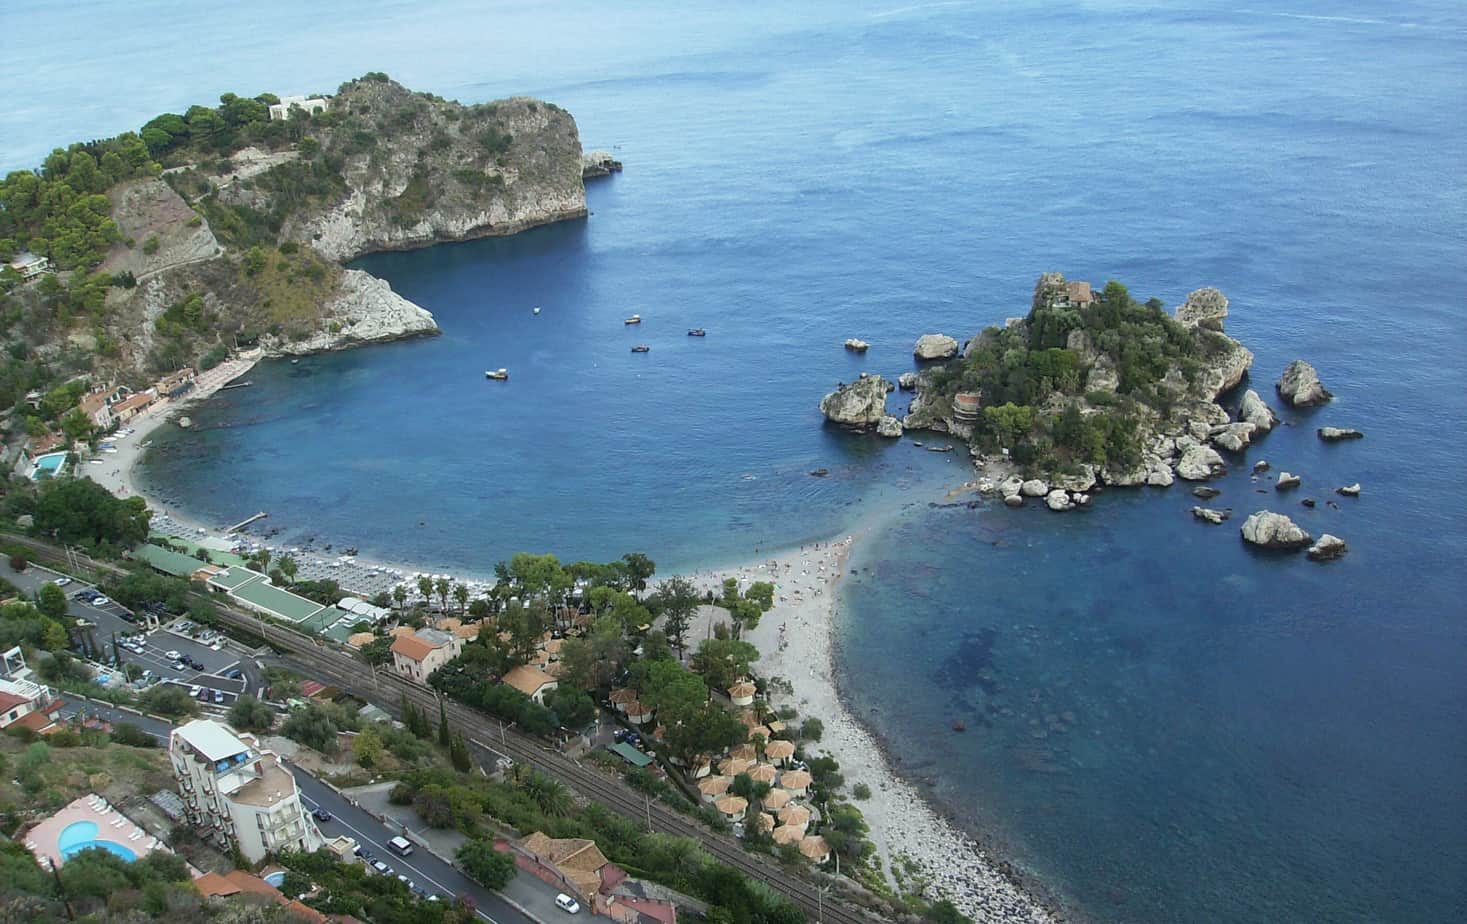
[426, 871]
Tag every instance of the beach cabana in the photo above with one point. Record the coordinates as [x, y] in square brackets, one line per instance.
[784, 834]
[776, 799]
[779, 751]
[733, 766]
[731, 807]
[741, 693]
[620, 698]
[638, 713]
[815, 848]
[743, 752]
[763, 773]
[795, 816]
[796, 781]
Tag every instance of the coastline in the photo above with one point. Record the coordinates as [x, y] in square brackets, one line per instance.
[797, 644]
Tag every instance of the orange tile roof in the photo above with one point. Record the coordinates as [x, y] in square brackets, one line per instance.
[141, 399]
[528, 680]
[814, 847]
[412, 647]
[784, 834]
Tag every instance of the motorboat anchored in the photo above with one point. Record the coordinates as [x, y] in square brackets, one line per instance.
[641, 348]
[697, 332]
[634, 319]
[498, 375]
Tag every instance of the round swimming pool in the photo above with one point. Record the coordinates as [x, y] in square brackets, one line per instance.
[82, 835]
[277, 879]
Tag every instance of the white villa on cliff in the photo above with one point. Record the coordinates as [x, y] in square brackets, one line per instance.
[281, 110]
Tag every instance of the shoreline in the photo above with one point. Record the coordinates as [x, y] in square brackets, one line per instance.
[798, 646]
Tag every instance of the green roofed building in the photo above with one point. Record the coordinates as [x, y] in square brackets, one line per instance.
[167, 560]
[630, 754]
[254, 591]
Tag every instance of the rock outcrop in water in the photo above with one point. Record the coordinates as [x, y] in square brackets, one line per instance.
[935, 346]
[1300, 385]
[1327, 548]
[1274, 531]
[1336, 434]
[861, 403]
[1255, 411]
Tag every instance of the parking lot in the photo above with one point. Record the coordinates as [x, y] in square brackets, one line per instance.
[149, 649]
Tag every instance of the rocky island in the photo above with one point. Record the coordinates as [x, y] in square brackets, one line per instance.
[226, 227]
[1087, 389]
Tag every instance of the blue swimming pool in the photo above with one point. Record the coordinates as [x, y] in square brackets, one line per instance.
[277, 879]
[82, 835]
[49, 465]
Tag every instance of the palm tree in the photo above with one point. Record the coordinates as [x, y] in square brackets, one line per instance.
[442, 586]
[399, 595]
[425, 587]
[461, 594]
[551, 795]
[288, 567]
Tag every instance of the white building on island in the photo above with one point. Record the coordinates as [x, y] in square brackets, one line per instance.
[281, 110]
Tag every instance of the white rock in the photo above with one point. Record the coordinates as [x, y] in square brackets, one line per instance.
[1057, 500]
[1160, 476]
[1327, 548]
[1233, 437]
[1335, 434]
[1274, 531]
[889, 426]
[1034, 488]
[1300, 385]
[364, 309]
[862, 403]
[1287, 480]
[1255, 411]
[907, 381]
[1208, 515]
[1013, 500]
[1011, 486]
[1200, 463]
[1081, 482]
[935, 346]
[1349, 490]
[1203, 308]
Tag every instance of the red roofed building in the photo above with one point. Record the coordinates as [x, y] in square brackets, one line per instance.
[578, 866]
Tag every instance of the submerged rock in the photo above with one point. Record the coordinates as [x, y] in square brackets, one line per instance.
[1335, 434]
[935, 346]
[1208, 515]
[1255, 411]
[1274, 531]
[1327, 548]
[1205, 492]
[1260, 466]
[1300, 385]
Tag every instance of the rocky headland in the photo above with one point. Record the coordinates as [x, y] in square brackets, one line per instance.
[224, 229]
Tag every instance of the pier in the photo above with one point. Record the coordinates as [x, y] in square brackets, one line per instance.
[243, 523]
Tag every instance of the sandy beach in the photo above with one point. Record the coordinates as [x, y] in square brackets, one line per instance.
[796, 644]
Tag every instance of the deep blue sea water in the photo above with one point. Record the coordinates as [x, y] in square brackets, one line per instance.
[1162, 725]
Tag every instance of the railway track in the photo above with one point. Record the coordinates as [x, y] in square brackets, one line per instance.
[387, 689]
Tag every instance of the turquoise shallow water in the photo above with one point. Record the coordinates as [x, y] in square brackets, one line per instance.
[1162, 726]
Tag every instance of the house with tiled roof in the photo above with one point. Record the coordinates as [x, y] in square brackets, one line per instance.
[814, 848]
[418, 655]
[578, 867]
[531, 681]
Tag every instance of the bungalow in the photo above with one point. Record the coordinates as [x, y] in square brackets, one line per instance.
[21, 696]
[777, 799]
[796, 781]
[620, 698]
[531, 681]
[731, 807]
[733, 766]
[418, 655]
[743, 751]
[638, 713]
[779, 751]
[742, 693]
[238, 882]
[784, 834]
[98, 406]
[176, 384]
[814, 848]
[763, 773]
[1079, 294]
[714, 787]
[796, 816]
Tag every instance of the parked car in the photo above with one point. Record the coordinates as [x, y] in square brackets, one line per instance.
[565, 903]
[172, 654]
[203, 695]
[61, 581]
[321, 814]
[381, 867]
[99, 600]
[193, 663]
[219, 696]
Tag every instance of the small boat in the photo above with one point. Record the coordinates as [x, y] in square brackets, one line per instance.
[856, 345]
[939, 449]
[634, 319]
[697, 332]
[498, 375]
[641, 348]
[537, 309]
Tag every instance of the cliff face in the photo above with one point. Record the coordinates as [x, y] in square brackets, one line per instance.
[439, 171]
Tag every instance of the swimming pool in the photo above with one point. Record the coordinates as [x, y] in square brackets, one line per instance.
[81, 835]
[277, 878]
[49, 465]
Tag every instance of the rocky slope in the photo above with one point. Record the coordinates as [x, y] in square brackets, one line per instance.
[248, 248]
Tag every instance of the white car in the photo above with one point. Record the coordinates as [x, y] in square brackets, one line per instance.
[172, 655]
[100, 601]
[567, 904]
[61, 581]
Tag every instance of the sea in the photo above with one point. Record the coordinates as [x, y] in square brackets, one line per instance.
[1161, 724]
